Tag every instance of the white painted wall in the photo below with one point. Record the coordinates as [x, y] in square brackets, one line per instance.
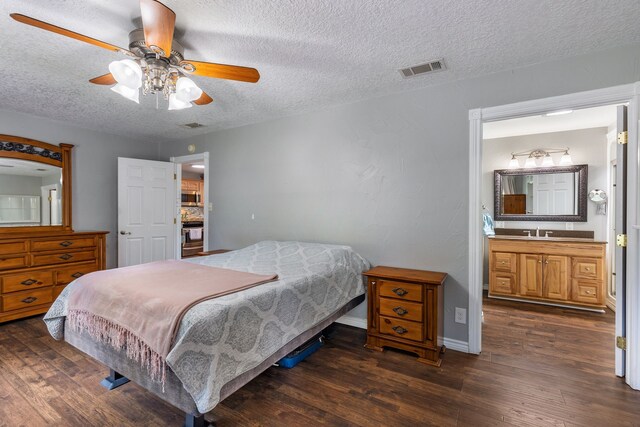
[94, 168]
[387, 176]
[588, 146]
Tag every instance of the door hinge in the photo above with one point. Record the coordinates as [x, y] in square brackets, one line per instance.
[622, 137]
[621, 240]
[621, 343]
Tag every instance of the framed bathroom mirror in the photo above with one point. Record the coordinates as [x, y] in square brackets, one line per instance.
[541, 194]
[35, 185]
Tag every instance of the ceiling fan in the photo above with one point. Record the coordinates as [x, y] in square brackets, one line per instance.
[156, 61]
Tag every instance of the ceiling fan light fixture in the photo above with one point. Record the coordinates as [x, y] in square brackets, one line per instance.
[127, 92]
[187, 90]
[127, 73]
[176, 104]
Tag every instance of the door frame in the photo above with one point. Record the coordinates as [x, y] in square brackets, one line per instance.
[630, 94]
[204, 157]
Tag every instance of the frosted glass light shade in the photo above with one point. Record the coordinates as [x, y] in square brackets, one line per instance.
[187, 90]
[127, 92]
[530, 163]
[176, 104]
[565, 160]
[127, 73]
[547, 161]
[513, 163]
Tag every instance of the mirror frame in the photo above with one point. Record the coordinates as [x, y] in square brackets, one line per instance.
[16, 147]
[581, 170]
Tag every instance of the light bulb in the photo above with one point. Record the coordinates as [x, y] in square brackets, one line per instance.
[565, 160]
[176, 104]
[127, 92]
[513, 163]
[547, 161]
[530, 163]
[127, 72]
[186, 90]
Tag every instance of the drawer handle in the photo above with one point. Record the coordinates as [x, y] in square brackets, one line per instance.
[400, 311]
[29, 300]
[399, 291]
[76, 275]
[66, 243]
[66, 257]
[399, 330]
[28, 282]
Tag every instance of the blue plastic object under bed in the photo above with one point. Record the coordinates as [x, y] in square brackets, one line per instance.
[301, 353]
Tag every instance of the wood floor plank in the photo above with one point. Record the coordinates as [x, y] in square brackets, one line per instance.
[540, 366]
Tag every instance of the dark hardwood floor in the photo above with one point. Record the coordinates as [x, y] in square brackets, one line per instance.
[541, 366]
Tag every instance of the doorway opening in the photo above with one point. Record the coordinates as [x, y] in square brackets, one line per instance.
[192, 204]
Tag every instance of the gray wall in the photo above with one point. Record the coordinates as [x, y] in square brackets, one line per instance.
[20, 185]
[387, 176]
[95, 168]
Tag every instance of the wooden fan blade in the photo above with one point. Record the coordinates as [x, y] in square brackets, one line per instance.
[158, 22]
[221, 71]
[204, 99]
[63, 31]
[107, 79]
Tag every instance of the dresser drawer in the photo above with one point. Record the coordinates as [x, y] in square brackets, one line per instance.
[588, 291]
[25, 299]
[19, 247]
[587, 268]
[501, 282]
[25, 281]
[69, 274]
[401, 309]
[503, 261]
[63, 257]
[402, 290]
[13, 261]
[401, 328]
[62, 244]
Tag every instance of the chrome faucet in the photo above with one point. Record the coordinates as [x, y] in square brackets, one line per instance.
[537, 231]
[528, 232]
[546, 233]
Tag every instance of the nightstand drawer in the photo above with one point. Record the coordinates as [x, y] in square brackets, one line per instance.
[401, 309]
[402, 290]
[401, 328]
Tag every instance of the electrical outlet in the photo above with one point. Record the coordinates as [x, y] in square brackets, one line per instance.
[569, 226]
[461, 315]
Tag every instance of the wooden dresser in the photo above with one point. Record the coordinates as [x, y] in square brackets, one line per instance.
[405, 311]
[39, 251]
[34, 270]
[568, 272]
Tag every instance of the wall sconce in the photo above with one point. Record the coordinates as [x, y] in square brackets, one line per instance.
[534, 156]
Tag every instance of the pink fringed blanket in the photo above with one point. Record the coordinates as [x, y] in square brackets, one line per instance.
[139, 308]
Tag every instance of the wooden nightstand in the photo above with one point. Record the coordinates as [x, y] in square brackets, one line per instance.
[405, 311]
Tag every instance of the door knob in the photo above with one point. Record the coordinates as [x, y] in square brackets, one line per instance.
[125, 233]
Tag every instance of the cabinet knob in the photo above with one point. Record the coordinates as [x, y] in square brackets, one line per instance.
[540, 262]
[503, 262]
[588, 269]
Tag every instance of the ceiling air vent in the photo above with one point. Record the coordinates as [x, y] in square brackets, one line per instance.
[193, 125]
[428, 67]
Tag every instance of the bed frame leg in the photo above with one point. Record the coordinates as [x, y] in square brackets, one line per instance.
[115, 379]
[192, 420]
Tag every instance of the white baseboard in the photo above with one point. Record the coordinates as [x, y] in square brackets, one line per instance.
[357, 322]
[361, 323]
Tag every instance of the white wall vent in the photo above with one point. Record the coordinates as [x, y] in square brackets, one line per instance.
[427, 67]
[193, 125]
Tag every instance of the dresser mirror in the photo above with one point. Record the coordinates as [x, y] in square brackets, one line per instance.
[541, 194]
[35, 179]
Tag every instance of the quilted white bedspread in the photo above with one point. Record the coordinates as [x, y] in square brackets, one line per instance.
[222, 338]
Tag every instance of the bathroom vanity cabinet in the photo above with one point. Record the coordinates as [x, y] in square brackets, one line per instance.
[558, 271]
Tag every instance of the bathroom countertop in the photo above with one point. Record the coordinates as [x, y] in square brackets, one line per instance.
[547, 239]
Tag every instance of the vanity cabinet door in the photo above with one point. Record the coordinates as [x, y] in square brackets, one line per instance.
[556, 277]
[531, 275]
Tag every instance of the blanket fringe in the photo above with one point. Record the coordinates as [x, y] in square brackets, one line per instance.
[119, 338]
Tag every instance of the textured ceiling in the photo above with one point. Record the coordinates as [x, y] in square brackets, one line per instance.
[586, 118]
[310, 54]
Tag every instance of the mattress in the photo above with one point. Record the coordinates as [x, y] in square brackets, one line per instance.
[223, 339]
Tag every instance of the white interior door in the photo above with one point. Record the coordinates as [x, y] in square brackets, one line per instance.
[146, 215]
[553, 194]
[621, 252]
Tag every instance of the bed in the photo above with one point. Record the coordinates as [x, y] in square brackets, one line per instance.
[224, 343]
